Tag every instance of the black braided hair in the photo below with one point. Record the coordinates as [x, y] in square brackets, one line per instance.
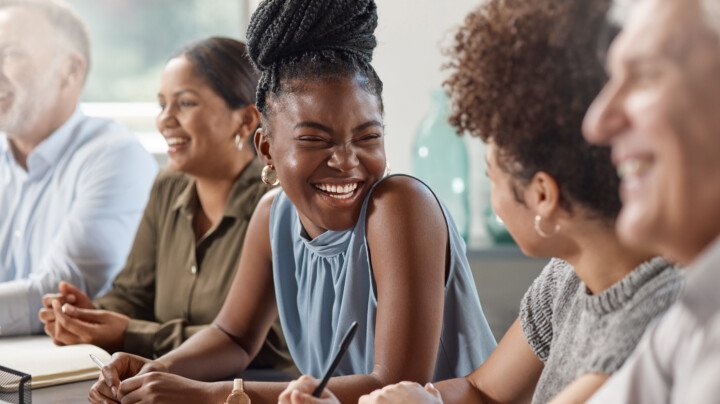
[317, 40]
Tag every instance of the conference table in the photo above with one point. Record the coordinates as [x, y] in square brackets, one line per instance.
[72, 393]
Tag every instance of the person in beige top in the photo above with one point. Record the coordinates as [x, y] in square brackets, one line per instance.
[189, 241]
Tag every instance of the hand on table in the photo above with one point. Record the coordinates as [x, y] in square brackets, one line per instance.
[300, 392]
[67, 294]
[160, 388]
[404, 392]
[73, 325]
[123, 366]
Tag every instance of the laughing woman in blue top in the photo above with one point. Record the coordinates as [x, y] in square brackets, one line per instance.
[339, 243]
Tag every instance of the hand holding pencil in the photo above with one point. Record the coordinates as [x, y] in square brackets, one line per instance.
[297, 392]
[300, 391]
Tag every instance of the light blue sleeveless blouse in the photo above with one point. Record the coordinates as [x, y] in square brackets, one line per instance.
[325, 284]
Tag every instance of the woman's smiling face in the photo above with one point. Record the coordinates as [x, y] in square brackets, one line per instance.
[196, 122]
[326, 143]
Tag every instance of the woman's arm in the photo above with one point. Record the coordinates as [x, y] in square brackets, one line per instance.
[409, 248]
[581, 389]
[219, 351]
[509, 375]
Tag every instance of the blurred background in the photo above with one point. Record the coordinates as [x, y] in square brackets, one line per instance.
[133, 39]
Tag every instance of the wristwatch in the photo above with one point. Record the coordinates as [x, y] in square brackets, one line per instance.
[238, 395]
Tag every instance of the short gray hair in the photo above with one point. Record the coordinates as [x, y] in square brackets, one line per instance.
[63, 18]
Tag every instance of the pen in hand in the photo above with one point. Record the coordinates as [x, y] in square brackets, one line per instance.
[343, 347]
[97, 361]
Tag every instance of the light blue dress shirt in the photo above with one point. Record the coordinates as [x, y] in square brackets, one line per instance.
[324, 284]
[71, 216]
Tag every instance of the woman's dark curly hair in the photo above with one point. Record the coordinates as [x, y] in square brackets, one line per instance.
[295, 41]
[523, 73]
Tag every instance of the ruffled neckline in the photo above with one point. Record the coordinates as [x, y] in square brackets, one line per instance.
[328, 244]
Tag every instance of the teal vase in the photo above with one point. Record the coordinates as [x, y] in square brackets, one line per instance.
[440, 160]
[495, 227]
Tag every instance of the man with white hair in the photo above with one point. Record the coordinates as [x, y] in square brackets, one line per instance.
[660, 112]
[72, 188]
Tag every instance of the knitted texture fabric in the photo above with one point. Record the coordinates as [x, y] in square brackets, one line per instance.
[574, 332]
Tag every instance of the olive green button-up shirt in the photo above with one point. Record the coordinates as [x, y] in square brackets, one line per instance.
[172, 286]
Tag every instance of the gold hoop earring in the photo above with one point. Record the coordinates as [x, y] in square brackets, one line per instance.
[266, 176]
[541, 232]
[238, 142]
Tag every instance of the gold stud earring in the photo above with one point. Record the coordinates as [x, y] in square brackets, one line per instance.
[266, 176]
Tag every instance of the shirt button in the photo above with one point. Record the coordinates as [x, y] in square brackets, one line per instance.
[193, 269]
[18, 234]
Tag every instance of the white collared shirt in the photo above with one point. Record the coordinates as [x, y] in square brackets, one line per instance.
[71, 216]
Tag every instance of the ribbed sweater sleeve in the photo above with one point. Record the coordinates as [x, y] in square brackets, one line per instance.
[537, 306]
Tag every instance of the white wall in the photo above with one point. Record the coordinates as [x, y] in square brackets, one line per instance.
[411, 35]
[408, 59]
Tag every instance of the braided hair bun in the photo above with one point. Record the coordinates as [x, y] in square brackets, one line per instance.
[311, 40]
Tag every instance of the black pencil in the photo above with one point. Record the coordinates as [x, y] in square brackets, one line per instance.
[343, 347]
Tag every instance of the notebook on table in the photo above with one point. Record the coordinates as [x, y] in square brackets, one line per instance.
[48, 364]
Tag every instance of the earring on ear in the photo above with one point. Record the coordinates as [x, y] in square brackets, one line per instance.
[265, 176]
[238, 142]
[542, 232]
[387, 169]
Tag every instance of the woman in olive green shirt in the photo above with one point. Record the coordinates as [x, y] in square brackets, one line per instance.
[188, 244]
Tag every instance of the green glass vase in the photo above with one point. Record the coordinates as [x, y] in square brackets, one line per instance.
[440, 160]
[495, 227]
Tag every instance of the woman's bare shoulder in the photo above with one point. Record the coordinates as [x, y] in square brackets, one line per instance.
[401, 193]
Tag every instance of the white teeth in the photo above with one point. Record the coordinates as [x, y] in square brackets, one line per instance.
[338, 191]
[632, 168]
[174, 141]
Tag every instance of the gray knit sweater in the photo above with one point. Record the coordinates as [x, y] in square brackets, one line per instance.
[574, 332]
